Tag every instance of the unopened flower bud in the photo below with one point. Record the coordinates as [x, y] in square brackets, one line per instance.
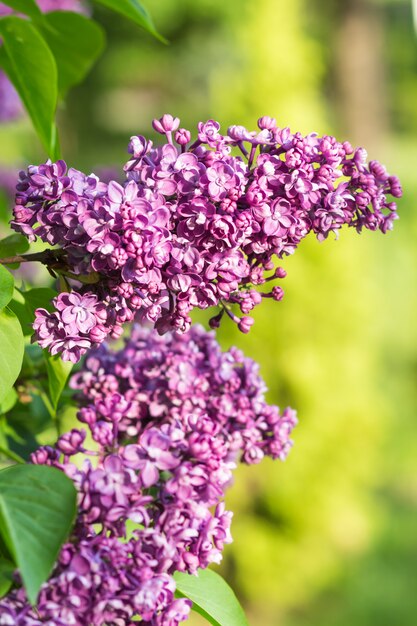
[46, 455]
[214, 322]
[71, 443]
[245, 324]
[277, 293]
[98, 333]
[166, 124]
[267, 123]
[182, 136]
[280, 272]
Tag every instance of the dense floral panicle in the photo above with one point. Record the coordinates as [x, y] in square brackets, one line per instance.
[198, 224]
[171, 417]
[183, 381]
[99, 581]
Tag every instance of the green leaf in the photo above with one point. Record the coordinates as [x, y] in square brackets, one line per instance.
[17, 305]
[76, 43]
[37, 510]
[11, 352]
[6, 286]
[8, 402]
[212, 598]
[31, 67]
[6, 572]
[58, 372]
[135, 11]
[28, 7]
[12, 245]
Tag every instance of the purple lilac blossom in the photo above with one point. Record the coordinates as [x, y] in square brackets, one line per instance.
[78, 322]
[171, 416]
[197, 225]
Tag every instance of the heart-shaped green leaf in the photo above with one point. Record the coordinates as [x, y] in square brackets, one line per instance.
[8, 402]
[6, 286]
[37, 511]
[76, 43]
[58, 372]
[134, 11]
[31, 67]
[212, 598]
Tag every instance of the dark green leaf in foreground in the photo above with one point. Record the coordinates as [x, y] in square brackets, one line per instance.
[8, 402]
[212, 598]
[37, 510]
[28, 7]
[76, 43]
[6, 287]
[31, 67]
[11, 351]
[135, 11]
[58, 372]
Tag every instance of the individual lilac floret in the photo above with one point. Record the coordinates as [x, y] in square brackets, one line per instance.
[171, 417]
[201, 224]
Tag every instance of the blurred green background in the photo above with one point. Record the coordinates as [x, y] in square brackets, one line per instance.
[330, 537]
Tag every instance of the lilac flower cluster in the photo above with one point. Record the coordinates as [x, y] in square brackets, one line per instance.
[194, 225]
[10, 104]
[171, 416]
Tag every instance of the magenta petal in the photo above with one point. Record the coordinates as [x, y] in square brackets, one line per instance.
[149, 474]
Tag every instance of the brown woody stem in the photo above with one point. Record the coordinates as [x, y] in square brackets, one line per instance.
[47, 257]
[56, 263]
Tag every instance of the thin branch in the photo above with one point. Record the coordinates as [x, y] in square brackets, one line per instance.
[47, 257]
[56, 264]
